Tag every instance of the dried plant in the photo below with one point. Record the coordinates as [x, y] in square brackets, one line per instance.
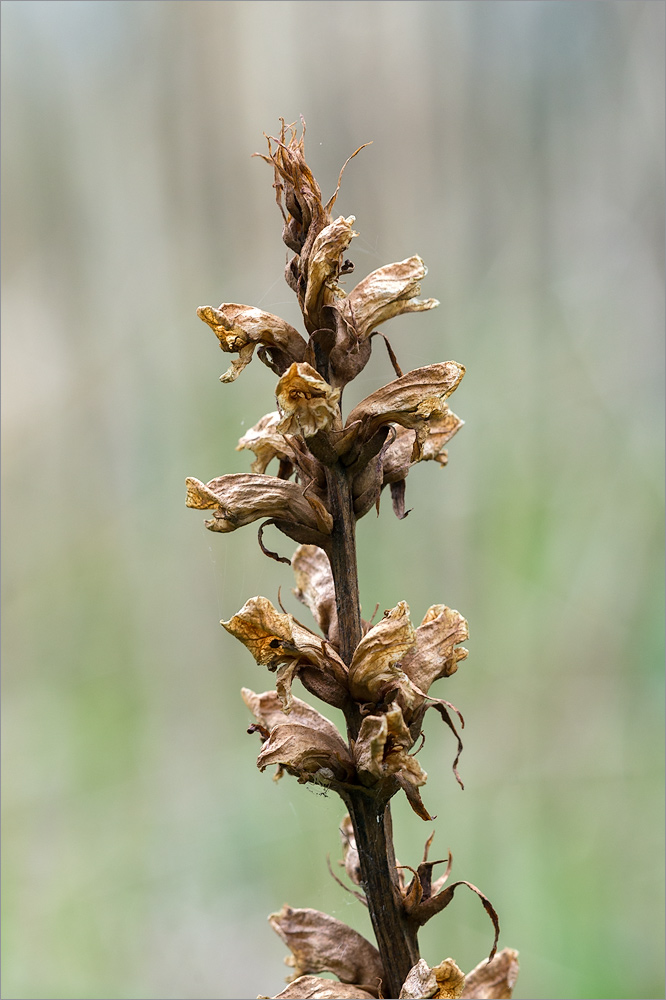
[331, 472]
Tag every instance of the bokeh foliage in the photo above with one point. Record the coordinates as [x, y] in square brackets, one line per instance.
[518, 148]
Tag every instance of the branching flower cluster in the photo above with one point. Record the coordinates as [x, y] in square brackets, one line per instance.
[331, 471]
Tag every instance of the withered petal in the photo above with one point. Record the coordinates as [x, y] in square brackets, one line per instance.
[240, 329]
[420, 983]
[433, 654]
[307, 402]
[314, 988]
[374, 668]
[389, 291]
[321, 943]
[413, 401]
[268, 711]
[310, 754]
[315, 588]
[240, 498]
[267, 443]
[493, 980]
[324, 266]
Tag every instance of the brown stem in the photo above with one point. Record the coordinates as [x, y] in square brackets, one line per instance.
[370, 814]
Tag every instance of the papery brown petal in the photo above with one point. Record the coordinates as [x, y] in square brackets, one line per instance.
[450, 980]
[433, 654]
[307, 402]
[324, 266]
[314, 988]
[420, 982]
[279, 641]
[381, 749]
[240, 329]
[350, 850]
[268, 711]
[321, 943]
[389, 291]
[412, 401]
[310, 754]
[493, 980]
[440, 431]
[267, 443]
[239, 499]
[315, 588]
[374, 671]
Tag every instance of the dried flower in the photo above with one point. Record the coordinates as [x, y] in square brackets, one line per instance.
[331, 472]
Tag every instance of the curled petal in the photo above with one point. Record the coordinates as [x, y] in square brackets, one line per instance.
[315, 588]
[374, 672]
[240, 329]
[279, 641]
[433, 654]
[314, 988]
[381, 750]
[309, 754]
[413, 401]
[320, 943]
[239, 499]
[429, 907]
[389, 291]
[307, 403]
[324, 266]
[268, 711]
[493, 980]
[267, 443]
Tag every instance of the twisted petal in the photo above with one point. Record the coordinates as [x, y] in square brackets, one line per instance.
[306, 402]
[268, 711]
[239, 499]
[389, 291]
[493, 980]
[266, 442]
[374, 672]
[315, 588]
[240, 329]
[314, 988]
[320, 943]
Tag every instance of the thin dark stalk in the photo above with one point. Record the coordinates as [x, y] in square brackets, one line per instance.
[370, 814]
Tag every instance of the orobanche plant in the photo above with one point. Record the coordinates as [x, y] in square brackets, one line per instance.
[331, 471]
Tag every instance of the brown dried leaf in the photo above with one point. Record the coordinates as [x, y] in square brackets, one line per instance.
[314, 988]
[315, 588]
[308, 404]
[389, 291]
[413, 401]
[374, 670]
[321, 943]
[309, 754]
[239, 499]
[493, 980]
[240, 329]
[267, 443]
[433, 654]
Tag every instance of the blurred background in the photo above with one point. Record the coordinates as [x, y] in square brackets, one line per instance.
[518, 148]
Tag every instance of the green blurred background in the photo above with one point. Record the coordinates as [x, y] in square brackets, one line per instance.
[518, 148]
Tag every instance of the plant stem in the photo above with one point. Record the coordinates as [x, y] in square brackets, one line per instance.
[370, 814]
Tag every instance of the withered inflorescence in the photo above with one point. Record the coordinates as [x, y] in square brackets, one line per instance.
[330, 472]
